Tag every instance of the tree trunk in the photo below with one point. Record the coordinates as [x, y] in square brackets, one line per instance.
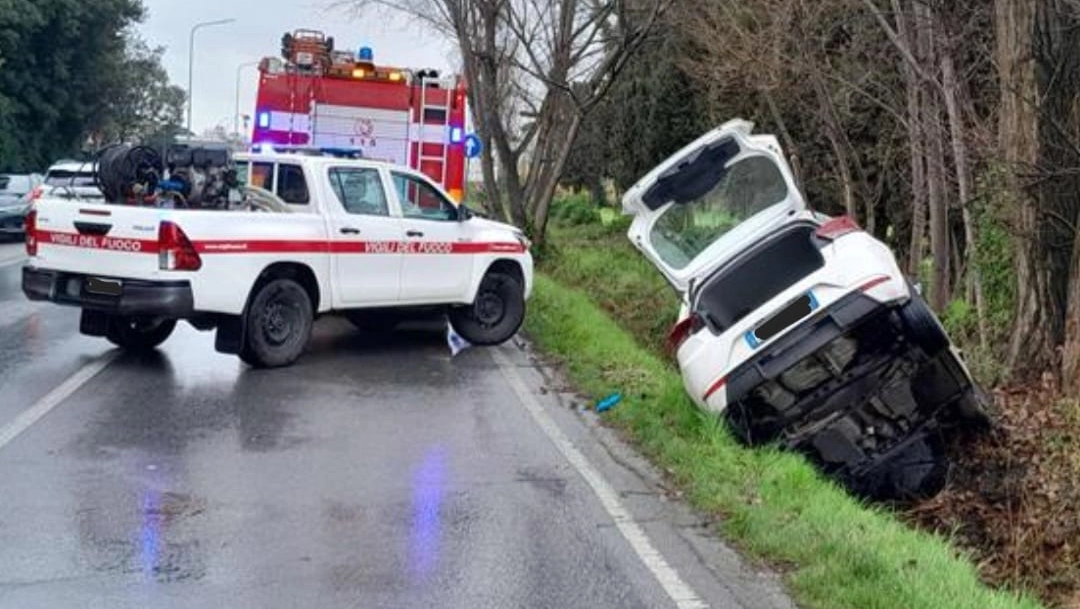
[835, 135]
[935, 165]
[1058, 74]
[1070, 356]
[963, 180]
[549, 180]
[916, 144]
[1031, 345]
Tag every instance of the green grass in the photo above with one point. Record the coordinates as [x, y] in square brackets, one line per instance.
[834, 551]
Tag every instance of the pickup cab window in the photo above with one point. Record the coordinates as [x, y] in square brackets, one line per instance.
[421, 200]
[257, 174]
[291, 185]
[360, 190]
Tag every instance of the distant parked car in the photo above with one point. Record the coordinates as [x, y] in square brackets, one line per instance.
[15, 193]
[73, 180]
[797, 328]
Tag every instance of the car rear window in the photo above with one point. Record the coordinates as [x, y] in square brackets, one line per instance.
[741, 191]
[15, 184]
[63, 177]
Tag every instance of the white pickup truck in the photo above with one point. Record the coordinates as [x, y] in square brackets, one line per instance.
[361, 238]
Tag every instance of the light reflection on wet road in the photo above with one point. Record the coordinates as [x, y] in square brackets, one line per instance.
[373, 473]
[367, 475]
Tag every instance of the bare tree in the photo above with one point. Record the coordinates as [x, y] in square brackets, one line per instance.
[548, 61]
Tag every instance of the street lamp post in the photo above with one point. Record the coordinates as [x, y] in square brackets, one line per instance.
[191, 60]
[236, 114]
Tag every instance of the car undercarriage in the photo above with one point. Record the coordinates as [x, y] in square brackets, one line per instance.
[870, 402]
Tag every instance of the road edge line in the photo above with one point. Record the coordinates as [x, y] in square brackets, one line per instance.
[677, 590]
[54, 398]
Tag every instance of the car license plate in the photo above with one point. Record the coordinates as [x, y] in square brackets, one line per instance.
[103, 287]
[782, 320]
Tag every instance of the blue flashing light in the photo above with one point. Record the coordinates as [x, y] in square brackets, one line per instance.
[264, 120]
[456, 135]
[365, 54]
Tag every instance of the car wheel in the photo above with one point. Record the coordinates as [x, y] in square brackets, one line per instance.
[279, 321]
[138, 333]
[495, 315]
[923, 327]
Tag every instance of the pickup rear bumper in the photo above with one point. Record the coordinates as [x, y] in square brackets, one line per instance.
[128, 297]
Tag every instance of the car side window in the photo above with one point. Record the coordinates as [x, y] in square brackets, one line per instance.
[420, 200]
[291, 185]
[262, 175]
[242, 172]
[359, 190]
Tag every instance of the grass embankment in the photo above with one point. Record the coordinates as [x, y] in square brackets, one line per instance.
[834, 552]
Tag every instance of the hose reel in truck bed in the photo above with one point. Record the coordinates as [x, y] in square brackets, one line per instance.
[182, 176]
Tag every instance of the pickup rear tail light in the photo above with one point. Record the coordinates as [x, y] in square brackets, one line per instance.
[837, 227]
[175, 251]
[30, 223]
[683, 330]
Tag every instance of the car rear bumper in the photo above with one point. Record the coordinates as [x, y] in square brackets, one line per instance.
[135, 297]
[12, 221]
[838, 319]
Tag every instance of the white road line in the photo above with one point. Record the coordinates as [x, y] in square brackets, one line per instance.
[53, 399]
[680, 593]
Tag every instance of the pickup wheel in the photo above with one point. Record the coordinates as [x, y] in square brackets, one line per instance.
[138, 333]
[496, 313]
[279, 320]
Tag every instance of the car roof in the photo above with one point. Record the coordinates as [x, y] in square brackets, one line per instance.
[71, 166]
[323, 160]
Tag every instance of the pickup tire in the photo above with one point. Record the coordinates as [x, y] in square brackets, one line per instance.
[138, 333]
[495, 314]
[279, 321]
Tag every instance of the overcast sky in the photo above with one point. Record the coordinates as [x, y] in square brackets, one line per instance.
[257, 32]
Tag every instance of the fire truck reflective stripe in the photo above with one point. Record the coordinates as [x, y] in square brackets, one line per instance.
[319, 246]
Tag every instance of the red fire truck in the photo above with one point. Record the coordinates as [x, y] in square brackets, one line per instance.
[315, 96]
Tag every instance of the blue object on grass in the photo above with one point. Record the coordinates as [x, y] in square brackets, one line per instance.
[609, 402]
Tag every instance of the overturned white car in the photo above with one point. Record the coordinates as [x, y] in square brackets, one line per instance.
[798, 328]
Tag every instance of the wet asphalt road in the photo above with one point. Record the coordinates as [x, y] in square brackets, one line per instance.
[376, 472]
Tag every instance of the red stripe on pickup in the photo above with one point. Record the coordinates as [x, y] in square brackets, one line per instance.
[283, 246]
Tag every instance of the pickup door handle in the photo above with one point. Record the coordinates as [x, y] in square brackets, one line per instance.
[348, 230]
[414, 233]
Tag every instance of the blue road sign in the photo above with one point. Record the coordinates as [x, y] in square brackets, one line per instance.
[472, 146]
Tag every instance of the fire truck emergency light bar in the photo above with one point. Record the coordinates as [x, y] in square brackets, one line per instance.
[338, 152]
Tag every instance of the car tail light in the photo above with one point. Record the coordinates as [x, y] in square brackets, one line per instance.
[717, 386]
[175, 251]
[683, 330]
[30, 223]
[873, 283]
[837, 227]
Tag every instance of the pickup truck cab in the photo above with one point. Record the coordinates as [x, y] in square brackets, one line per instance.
[360, 238]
